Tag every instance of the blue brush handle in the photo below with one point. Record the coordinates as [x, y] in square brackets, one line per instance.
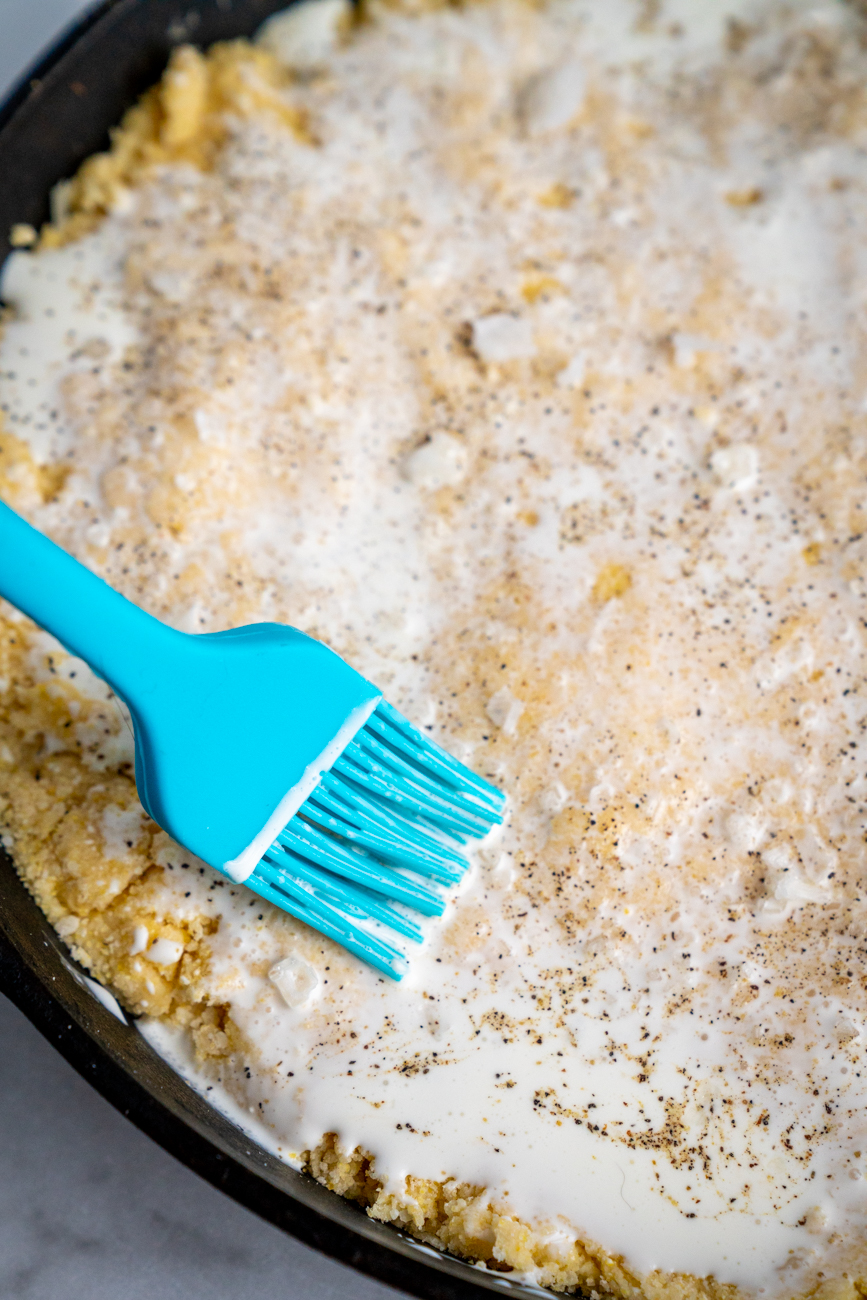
[227, 724]
[117, 639]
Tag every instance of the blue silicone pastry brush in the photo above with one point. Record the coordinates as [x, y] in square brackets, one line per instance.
[262, 752]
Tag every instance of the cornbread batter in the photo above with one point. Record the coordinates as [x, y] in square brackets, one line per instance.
[517, 352]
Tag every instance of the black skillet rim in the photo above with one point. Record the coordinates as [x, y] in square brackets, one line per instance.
[56, 116]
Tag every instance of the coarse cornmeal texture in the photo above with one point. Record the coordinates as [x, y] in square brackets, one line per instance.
[516, 351]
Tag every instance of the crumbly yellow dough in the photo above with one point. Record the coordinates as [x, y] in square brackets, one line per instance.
[89, 876]
[182, 119]
[460, 1218]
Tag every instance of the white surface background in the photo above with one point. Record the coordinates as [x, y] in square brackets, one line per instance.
[91, 1209]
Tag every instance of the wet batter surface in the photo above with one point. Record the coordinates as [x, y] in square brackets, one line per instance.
[517, 353]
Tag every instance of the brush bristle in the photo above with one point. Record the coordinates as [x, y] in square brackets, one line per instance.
[390, 816]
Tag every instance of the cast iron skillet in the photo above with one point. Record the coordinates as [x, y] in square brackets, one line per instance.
[58, 115]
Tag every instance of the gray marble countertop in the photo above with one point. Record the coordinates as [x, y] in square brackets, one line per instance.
[91, 1209]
